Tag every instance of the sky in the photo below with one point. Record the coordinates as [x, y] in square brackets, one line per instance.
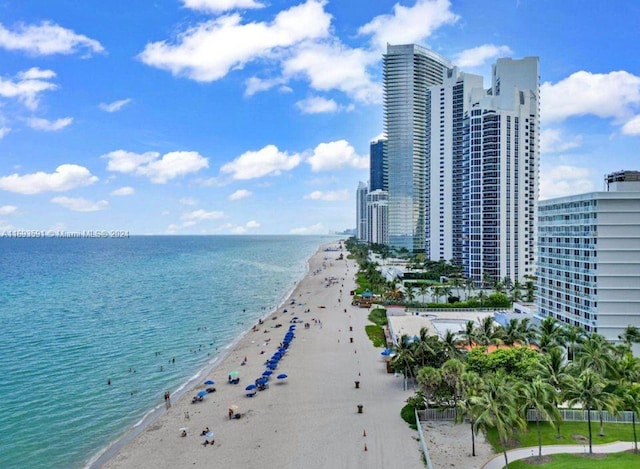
[255, 116]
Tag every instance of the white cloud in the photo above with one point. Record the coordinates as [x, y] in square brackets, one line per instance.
[256, 85]
[614, 94]
[66, 177]
[632, 127]
[191, 54]
[480, 55]
[554, 141]
[46, 39]
[114, 106]
[201, 215]
[36, 73]
[318, 228]
[28, 86]
[564, 180]
[158, 170]
[330, 196]
[80, 205]
[409, 25]
[46, 125]
[8, 209]
[216, 6]
[335, 66]
[319, 105]
[4, 130]
[124, 191]
[240, 194]
[255, 164]
[335, 155]
[253, 224]
[188, 201]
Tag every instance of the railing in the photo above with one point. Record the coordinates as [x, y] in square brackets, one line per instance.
[423, 442]
[568, 415]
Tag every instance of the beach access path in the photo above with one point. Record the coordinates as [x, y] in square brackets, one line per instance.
[497, 462]
[309, 420]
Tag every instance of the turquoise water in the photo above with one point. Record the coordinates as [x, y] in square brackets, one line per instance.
[76, 313]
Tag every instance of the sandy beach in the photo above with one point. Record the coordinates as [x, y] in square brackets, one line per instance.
[310, 419]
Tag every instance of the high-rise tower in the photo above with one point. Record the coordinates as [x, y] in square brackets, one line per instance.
[408, 71]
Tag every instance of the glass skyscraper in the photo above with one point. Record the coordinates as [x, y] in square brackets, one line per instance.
[408, 71]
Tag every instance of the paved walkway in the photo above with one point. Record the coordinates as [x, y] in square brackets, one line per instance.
[497, 462]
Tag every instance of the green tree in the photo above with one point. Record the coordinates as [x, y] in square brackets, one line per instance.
[552, 368]
[472, 386]
[430, 381]
[540, 396]
[499, 410]
[589, 390]
[630, 336]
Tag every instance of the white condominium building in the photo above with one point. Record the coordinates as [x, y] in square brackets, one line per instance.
[588, 260]
[377, 217]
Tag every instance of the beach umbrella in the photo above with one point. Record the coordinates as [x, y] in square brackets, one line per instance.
[267, 373]
[202, 393]
[251, 387]
[234, 373]
[282, 376]
[272, 366]
[209, 382]
[262, 380]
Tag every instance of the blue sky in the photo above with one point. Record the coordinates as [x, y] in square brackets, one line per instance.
[255, 116]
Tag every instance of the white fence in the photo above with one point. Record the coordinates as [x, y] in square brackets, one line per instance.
[568, 415]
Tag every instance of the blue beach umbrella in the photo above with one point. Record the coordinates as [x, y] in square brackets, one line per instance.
[202, 393]
[251, 387]
[262, 380]
[209, 382]
[282, 376]
[267, 373]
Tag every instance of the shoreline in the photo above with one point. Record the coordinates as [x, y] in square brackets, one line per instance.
[110, 450]
[307, 420]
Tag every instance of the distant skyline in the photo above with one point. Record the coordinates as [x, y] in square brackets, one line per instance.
[250, 116]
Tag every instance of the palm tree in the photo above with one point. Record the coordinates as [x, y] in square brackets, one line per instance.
[627, 375]
[487, 333]
[516, 291]
[404, 359]
[457, 283]
[469, 286]
[573, 335]
[430, 380]
[540, 396]
[549, 335]
[452, 371]
[446, 292]
[552, 368]
[469, 334]
[528, 331]
[450, 345]
[410, 292]
[589, 390]
[472, 385]
[513, 333]
[423, 288]
[499, 410]
[596, 353]
[630, 336]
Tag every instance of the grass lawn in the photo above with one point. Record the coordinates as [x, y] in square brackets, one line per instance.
[376, 334]
[576, 461]
[378, 316]
[363, 283]
[570, 432]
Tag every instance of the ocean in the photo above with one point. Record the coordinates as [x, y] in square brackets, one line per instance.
[94, 331]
